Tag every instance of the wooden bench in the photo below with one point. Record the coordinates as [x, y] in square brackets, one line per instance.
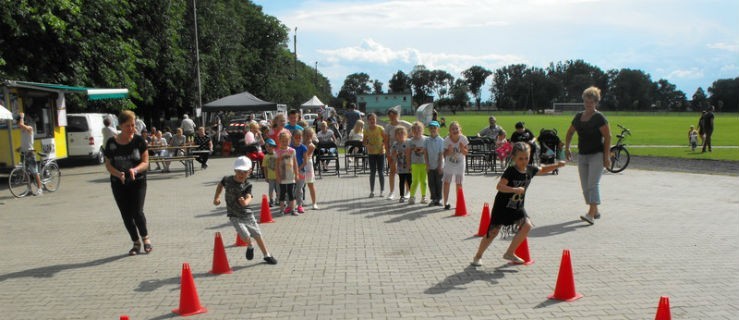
[187, 161]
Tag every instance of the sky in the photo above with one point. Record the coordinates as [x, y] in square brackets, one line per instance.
[690, 43]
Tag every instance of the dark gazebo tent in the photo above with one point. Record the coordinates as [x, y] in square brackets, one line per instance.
[244, 101]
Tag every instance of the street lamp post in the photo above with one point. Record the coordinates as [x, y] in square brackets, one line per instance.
[199, 105]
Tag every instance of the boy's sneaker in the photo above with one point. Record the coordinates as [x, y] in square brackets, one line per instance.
[424, 200]
[249, 253]
[391, 196]
[300, 209]
[402, 200]
[270, 260]
[411, 200]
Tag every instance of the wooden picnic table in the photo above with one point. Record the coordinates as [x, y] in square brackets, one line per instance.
[187, 158]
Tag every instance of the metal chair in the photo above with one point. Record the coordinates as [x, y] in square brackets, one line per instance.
[357, 153]
[327, 152]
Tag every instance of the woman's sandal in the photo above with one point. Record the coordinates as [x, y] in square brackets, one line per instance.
[135, 250]
[147, 246]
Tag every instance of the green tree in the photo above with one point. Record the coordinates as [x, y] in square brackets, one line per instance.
[475, 77]
[422, 84]
[441, 82]
[668, 97]
[725, 94]
[572, 77]
[355, 84]
[510, 90]
[700, 101]
[377, 85]
[400, 83]
[633, 90]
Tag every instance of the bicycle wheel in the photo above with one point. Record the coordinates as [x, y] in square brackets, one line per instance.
[620, 158]
[51, 176]
[19, 182]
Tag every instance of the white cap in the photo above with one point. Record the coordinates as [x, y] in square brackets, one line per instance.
[242, 164]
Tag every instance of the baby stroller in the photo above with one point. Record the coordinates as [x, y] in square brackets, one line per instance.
[550, 147]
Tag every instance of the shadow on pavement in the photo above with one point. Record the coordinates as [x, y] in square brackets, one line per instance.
[50, 271]
[546, 303]
[556, 229]
[218, 211]
[151, 285]
[470, 274]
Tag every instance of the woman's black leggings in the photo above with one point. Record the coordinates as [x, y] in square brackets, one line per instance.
[130, 199]
[377, 166]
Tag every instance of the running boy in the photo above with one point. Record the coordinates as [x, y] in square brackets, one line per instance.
[508, 208]
[238, 197]
[434, 146]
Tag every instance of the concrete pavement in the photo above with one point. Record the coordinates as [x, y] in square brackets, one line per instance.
[674, 234]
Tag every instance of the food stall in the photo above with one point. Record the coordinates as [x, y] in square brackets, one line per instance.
[44, 104]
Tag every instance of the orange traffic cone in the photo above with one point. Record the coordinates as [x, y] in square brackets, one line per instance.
[220, 261]
[124, 317]
[663, 310]
[240, 242]
[565, 289]
[523, 252]
[484, 220]
[266, 215]
[461, 209]
[189, 301]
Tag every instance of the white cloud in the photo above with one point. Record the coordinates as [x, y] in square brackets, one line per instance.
[692, 73]
[371, 51]
[731, 47]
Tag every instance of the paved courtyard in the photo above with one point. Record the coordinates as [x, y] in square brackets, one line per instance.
[674, 234]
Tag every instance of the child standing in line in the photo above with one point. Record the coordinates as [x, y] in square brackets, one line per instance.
[399, 154]
[416, 151]
[693, 138]
[434, 146]
[455, 157]
[374, 140]
[310, 176]
[300, 151]
[508, 208]
[270, 175]
[238, 197]
[287, 172]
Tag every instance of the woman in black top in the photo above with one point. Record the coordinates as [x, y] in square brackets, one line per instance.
[593, 145]
[126, 159]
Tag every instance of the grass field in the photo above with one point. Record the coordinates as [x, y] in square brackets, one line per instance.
[652, 135]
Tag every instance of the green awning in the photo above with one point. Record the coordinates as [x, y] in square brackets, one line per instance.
[92, 93]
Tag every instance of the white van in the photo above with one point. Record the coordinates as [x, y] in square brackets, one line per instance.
[85, 135]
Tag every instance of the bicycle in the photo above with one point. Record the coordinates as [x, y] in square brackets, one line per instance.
[620, 156]
[22, 183]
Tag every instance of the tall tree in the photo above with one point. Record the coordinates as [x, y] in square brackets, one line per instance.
[475, 77]
[510, 90]
[725, 94]
[668, 97]
[422, 83]
[573, 77]
[700, 101]
[355, 84]
[400, 83]
[441, 81]
[377, 85]
[633, 90]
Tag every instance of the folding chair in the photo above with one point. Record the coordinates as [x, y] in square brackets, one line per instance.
[327, 152]
[356, 153]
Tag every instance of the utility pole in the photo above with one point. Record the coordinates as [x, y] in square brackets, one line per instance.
[315, 77]
[199, 105]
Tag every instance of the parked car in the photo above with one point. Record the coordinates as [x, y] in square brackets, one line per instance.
[85, 135]
[310, 118]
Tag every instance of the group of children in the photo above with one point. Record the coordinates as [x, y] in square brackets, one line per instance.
[288, 167]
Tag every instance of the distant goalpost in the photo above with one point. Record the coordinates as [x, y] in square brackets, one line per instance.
[561, 107]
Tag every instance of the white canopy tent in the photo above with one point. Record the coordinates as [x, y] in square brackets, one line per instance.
[5, 114]
[312, 105]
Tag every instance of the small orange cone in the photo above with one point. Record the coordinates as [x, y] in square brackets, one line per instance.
[266, 215]
[484, 220]
[240, 242]
[220, 260]
[124, 317]
[189, 301]
[461, 209]
[663, 309]
[523, 252]
[565, 289]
